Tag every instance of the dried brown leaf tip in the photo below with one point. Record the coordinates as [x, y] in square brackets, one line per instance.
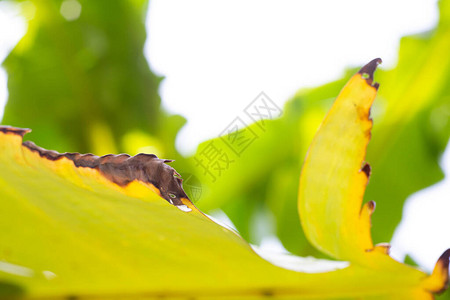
[442, 267]
[437, 282]
[368, 70]
[120, 169]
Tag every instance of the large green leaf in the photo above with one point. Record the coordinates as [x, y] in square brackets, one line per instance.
[411, 130]
[82, 226]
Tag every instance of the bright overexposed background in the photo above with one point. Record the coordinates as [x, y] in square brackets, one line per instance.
[217, 56]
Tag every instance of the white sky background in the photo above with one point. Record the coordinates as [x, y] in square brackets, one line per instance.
[217, 56]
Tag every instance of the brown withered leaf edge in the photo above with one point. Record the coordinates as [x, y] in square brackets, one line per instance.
[368, 71]
[120, 169]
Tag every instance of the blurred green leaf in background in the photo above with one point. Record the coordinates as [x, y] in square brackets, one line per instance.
[80, 80]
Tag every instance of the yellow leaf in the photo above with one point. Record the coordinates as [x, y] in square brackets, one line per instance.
[333, 180]
[335, 175]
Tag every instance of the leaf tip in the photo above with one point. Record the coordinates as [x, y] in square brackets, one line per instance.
[368, 70]
[441, 269]
[437, 282]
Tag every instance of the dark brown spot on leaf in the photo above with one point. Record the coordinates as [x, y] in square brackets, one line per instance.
[366, 169]
[371, 205]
